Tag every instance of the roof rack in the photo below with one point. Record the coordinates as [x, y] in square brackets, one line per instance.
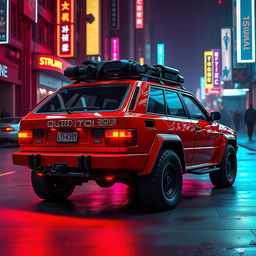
[92, 71]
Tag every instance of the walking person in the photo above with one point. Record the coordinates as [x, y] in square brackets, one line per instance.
[249, 119]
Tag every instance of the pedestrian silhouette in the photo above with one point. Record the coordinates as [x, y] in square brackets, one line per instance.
[249, 119]
[225, 72]
[226, 40]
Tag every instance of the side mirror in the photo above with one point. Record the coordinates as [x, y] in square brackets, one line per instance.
[215, 116]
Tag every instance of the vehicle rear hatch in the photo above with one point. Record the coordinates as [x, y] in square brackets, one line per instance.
[82, 118]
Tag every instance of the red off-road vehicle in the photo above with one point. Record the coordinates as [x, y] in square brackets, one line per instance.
[123, 122]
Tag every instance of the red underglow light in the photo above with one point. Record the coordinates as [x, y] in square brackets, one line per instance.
[40, 174]
[109, 178]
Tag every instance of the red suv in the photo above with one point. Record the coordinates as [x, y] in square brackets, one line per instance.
[123, 122]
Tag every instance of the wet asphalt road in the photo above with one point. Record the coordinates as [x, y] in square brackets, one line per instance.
[98, 221]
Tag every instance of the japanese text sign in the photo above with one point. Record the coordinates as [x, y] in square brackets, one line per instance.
[65, 28]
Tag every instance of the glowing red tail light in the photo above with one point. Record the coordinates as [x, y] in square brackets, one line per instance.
[120, 137]
[7, 129]
[25, 136]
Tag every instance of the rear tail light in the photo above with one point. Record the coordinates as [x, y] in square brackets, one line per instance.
[120, 137]
[7, 129]
[25, 136]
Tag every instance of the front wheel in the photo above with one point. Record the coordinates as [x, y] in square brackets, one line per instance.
[161, 189]
[226, 176]
[50, 188]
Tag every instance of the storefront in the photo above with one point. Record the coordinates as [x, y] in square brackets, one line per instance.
[49, 74]
[10, 83]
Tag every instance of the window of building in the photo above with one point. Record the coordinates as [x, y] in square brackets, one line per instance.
[156, 101]
[15, 21]
[194, 109]
[47, 4]
[174, 105]
[43, 32]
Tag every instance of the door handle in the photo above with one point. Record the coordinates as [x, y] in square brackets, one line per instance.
[198, 128]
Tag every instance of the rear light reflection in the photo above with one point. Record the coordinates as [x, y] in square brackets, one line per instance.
[7, 129]
[25, 136]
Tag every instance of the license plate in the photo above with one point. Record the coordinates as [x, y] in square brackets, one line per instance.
[67, 137]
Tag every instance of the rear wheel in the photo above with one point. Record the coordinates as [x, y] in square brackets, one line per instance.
[228, 169]
[161, 190]
[50, 188]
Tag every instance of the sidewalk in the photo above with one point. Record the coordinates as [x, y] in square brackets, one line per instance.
[243, 141]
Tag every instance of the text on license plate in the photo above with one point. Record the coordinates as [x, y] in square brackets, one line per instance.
[67, 137]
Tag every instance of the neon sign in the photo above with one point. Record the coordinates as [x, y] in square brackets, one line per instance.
[115, 48]
[208, 69]
[48, 62]
[160, 54]
[139, 14]
[65, 28]
[216, 68]
[93, 28]
[245, 31]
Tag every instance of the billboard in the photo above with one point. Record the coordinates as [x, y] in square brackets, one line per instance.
[208, 69]
[93, 28]
[65, 28]
[245, 30]
[234, 21]
[115, 53]
[160, 54]
[226, 52]
[139, 14]
[4, 21]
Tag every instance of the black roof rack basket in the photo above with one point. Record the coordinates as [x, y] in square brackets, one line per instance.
[124, 69]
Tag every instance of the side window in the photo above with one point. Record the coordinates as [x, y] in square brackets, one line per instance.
[174, 105]
[156, 101]
[194, 109]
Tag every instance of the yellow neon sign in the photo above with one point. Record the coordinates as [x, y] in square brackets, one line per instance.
[93, 29]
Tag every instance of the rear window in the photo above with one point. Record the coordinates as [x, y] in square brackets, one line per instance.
[89, 98]
[10, 120]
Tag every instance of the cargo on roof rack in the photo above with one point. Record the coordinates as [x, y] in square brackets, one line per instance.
[92, 71]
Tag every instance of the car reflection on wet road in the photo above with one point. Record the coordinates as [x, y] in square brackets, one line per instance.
[111, 221]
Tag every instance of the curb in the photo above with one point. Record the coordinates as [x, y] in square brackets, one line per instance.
[245, 146]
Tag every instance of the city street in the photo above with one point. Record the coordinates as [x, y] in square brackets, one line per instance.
[97, 221]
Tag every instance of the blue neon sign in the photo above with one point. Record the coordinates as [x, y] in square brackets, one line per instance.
[160, 54]
[245, 31]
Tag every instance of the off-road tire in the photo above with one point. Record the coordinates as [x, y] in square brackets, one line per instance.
[153, 188]
[50, 188]
[226, 176]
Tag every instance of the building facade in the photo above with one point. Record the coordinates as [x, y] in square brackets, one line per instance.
[33, 58]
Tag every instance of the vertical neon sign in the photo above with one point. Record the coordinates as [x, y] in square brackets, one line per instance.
[245, 31]
[216, 68]
[208, 69]
[160, 54]
[115, 54]
[139, 14]
[65, 28]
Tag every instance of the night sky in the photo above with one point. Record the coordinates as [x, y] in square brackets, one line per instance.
[187, 28]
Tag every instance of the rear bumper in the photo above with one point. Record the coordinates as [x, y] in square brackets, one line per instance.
[131, 162]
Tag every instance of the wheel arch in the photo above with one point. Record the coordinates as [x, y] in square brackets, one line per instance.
[163, 142]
